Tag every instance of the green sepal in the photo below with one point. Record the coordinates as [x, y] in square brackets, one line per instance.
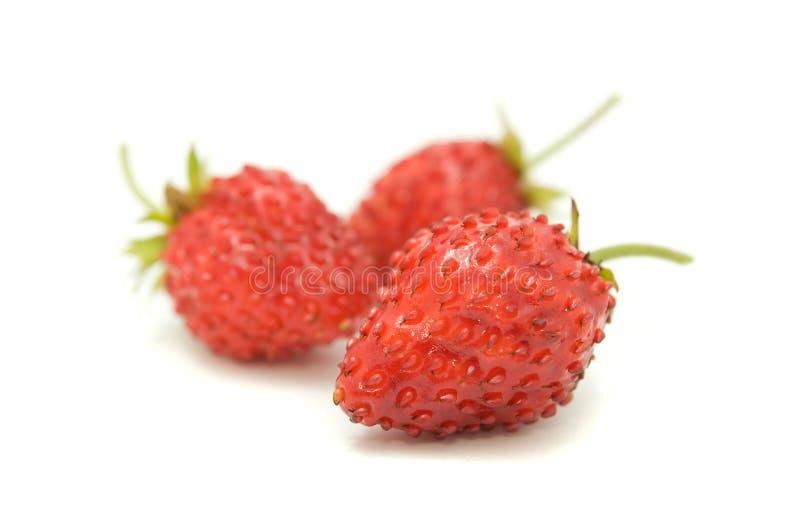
[573, 228]
[158, 216]
[608, 275]
[198, 177]
[540, 196]
[147, 250]
[160, 281]
[510, 143]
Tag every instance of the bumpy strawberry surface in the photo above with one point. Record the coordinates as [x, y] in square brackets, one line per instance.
[226, 260]
[488, 320]
[448, 179]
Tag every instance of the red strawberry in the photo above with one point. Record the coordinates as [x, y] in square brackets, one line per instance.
[453, 179]
[488, 320]
[251, 262]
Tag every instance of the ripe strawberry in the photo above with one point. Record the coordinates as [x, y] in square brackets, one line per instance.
[453, 179]
[488, 320]
[252, 261]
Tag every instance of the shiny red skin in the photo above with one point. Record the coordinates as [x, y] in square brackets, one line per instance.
[217, 260]
[466, 354]
[447, 179]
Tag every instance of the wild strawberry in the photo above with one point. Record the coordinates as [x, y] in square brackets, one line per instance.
[488, 320]
[454, 179]
[255, 263]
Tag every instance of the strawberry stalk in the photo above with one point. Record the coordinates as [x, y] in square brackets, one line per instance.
[511, 145]
[639, 250]
[574, 133]
[598, 256]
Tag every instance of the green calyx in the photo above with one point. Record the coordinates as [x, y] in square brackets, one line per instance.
[177, 203]
[599, 256]
[511, 145]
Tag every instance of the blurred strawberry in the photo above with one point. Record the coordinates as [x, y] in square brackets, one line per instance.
[454, 179]
[255, 263]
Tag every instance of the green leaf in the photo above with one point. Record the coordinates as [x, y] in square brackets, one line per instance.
[510, 143]
[198, 178]
[147, 250]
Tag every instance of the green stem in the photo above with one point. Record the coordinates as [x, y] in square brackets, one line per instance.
[638, 250]
[574, 132]
[126, 171]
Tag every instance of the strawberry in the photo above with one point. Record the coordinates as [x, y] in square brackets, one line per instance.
[488, 320]
[453, 179]
[252, 260]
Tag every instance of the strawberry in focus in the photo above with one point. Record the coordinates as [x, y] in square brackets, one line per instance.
[454, 179]
[489, 320]
[251, 260]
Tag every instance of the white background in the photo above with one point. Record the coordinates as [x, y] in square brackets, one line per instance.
[113, 418]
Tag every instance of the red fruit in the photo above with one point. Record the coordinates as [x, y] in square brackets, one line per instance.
[452, 179]
[251, 260]
[488, 320]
